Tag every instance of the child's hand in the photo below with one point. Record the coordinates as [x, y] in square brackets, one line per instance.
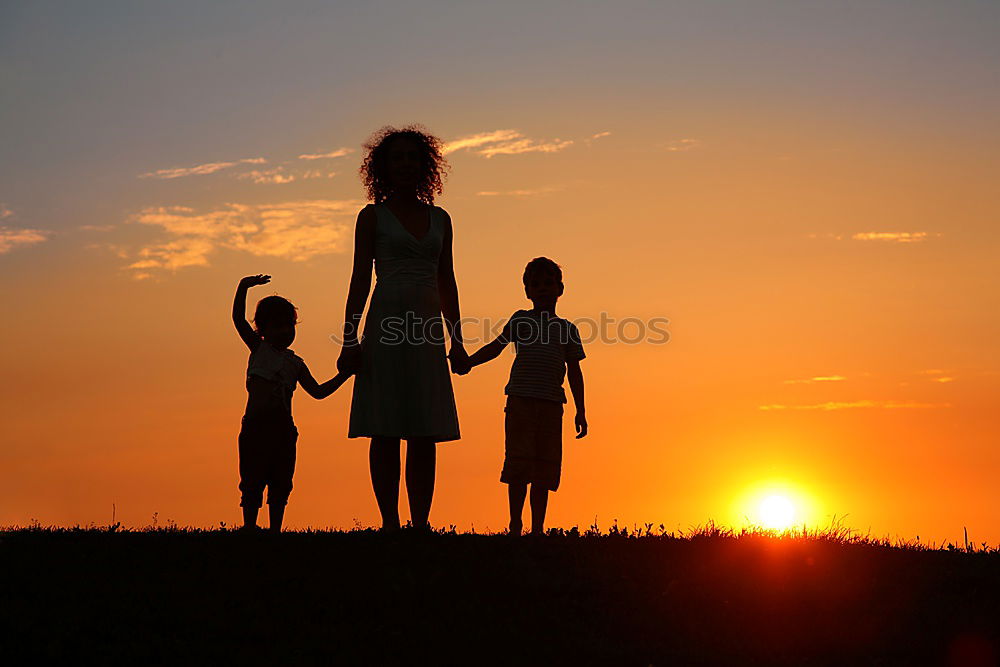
[349, 361]
[459, 359]
[252, 281]
[581, 425]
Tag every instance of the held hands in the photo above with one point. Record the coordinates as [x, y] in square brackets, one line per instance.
[349, 361]
[252, 281]
[581, 425]
[459, 359]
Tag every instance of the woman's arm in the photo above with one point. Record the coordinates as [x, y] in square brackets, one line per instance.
[448, 291]
[357, 293]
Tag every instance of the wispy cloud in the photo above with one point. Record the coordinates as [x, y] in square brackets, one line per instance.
[525, 146]
[12, 237]
[504, 142]
[681, 145]
[296, 230]
[818, 378]
[516, 193]
[892, 237]
[942, 375]
[847, 405]
[96, 228]
[200, 169]
[280, 175]
[600, 135]
[276, 175]
[481, 139]
[340, 152]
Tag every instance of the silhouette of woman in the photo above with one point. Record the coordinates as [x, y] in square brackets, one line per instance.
[403, 387]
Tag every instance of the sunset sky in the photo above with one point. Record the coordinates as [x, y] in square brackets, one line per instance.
[806, 190]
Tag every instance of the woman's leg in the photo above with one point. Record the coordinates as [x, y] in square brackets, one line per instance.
[421, 460]
[383, 461]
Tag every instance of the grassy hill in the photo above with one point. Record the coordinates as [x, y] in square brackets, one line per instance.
[708, 598]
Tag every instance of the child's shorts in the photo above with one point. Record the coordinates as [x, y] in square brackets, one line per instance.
[533, 442]
[267, 458]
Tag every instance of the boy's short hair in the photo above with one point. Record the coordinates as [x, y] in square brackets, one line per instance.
[541, 265]
[274, 310]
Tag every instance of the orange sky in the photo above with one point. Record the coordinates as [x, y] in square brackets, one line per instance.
[824, 252]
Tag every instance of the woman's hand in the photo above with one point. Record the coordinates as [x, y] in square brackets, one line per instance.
[459, 359]
[349, 361]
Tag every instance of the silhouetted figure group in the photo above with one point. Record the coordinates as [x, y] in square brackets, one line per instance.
[402, 386]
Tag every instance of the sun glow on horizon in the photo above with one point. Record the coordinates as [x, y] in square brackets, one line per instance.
[777, 512]
[777, 505]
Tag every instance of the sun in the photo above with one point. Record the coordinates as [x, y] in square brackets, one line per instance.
[778, 503]
[776, 512]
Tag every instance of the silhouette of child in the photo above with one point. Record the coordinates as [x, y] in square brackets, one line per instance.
[548, 348]
[268, 434]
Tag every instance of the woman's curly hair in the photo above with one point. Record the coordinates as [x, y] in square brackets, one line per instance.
[374, 166]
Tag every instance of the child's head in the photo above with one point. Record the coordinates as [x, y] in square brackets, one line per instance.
[403, 161]
[543, 281]
[275, 319]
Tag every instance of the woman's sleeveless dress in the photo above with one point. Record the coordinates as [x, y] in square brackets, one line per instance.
[403, 389]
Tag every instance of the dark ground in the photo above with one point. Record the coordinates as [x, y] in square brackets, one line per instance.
[191, 597]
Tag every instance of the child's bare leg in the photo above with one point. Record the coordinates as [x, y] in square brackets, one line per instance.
[276, 513]
[383, 461]
[515, 498]
[539, 501]
[421, 461]
[250, 517]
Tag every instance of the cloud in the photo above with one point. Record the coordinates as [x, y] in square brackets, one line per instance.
[681, 145]
[517, 193]
[504, 142]
[11, 237]
[943, 376]
[340, 152]
[818, 378]
[895, 237]
[96, 228]
[296, 230]
[481, 139]
[600, 135]
[276, 175]
[200, 169]
[846, 405]
[524, 146]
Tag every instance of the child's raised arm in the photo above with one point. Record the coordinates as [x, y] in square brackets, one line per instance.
[320, 391]
[246, 332]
